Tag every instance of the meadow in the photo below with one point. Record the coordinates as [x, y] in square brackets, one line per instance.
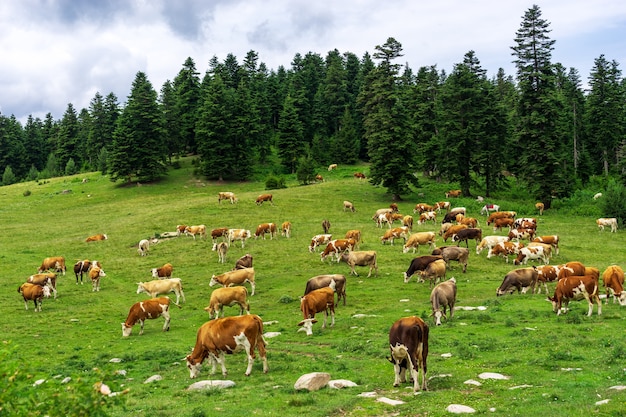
[557, 365]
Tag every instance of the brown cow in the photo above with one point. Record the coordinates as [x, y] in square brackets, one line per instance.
[319, 240]
[539, 206]
[264, 228]
[419, 264]
[575, 288]
[321, 281]
[453, 230]
[395, 233]
[453, 193]
[56, 263]
[163, 272]
[552, 240]
[199, 230]
[573, 268]
[264, 197]
[613, 280]
[347, 205]
[33, 292]
[227, 296]
[408, 341]
[337, 247]
[326, 226]
[286, 229]
[95, 238]
[322, 299]
[227, 195]
[356, 235]
[465, 235]
[219, 232]
[46, 279]
[360, 258]
[359, 175]
[148, 309]
[520, 280]
[244, 262]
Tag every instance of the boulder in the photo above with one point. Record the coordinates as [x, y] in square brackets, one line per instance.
[206, 384]
[312, 381]
[459, 409]
[341, 383]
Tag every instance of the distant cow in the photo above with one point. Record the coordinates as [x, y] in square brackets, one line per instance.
[162, 287]
[419, 264]
[244, 262]
[163, 272]
[80, 268]
[356, 235]
[395, 233]
[360, 258]
[33, 292]
[95, 273]
[46, 279]
[347, 205]
[505, 249]
[227, 195]
[359, 175]
[325, 226]
[319, 240]
[263, 198]
[143, 247]
[408, 342]
[54, 263]
[532, 253]
[443, 296]
[453, 193]
[265, 228]
[236, 277]
[317, 301]
[518, 279]
[453, 253]
[465, 235]
[227, 296]
[238, 234]
[539, 206]
[489, 242]
[613, 280]
[95, 238]
[332, 166]
[219, 232]
[552, 240]
[286, 229]
[222, 249]
[148, 309]
[422, 208]
[498, 224]
[434, 272]
[321, 281]
[576, 288]
[336, 247]
[199, 230]
[612, 222]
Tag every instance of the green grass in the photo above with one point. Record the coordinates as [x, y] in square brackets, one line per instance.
[516, 335]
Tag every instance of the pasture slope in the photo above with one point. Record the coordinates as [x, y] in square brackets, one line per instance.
[557, 366]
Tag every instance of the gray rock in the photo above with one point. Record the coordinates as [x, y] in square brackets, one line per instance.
[312, 381]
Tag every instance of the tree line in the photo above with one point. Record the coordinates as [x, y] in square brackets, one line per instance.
[241, 119]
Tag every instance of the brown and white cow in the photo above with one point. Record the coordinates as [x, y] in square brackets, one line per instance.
[417, 239]
[359, 175]
[244, 262]
[162, 287]
[33, 292]
[576, 288]
[360, 258]
[317, 301]
[428, 216]
[453, 230]
[419, 264]
[227, 195]
[53, 263]
[520, 280]
[395, 233]
[286, 229]
[336, 247]
[219, 232]
[552, 240]
[143, 247]
[498, 224]
[356, 235]
[95, 273]
[613, 280]
[521, 233]
[539, 253]
[489, 242]
[545, 274]
[80, 268]
[227, 296]
[95, 238]
[442, 205]
[45, 279]
[452, 215]
[347, 205]
[319, 240]
[319, 178]
[572, 268]
[453, 193]
[321, 281]
[238, 234]
[610, 222]
[500, 215]
[225, 336]
[408, 342]
[263, 198]
[180, 229]
[505, 249]
[148, 309]
[265, 228]
[163, 272]
[408, 222]
[423, 208]
[236, 277]
[222, 249]
[199, 230]
[442, 297]
[332, 166]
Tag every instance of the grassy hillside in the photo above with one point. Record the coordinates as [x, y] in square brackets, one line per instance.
[562, 364]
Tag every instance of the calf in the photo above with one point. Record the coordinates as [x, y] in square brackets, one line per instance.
[443, 296]
[360, 258]
[419, 264]
[144, 247]
[465, 235]
[612, 222]
[244, 262]
[228, 296]
[337, 247]
[95, 238]
[613, 280]
[317, 301]
[395, 233]
[348, 206]
[435, 271]
[199, 230]
[263, 198]
[286, 229]
[95, 273]
[161, 287]
[236, 277]
[54, 263]
[321, 281]
[319, 240]
[500, 215]
[33, 292]
[163, 272]
[408, 342]
[149, 309]
[227, 195]
[417, 239]
[518, 279]
[575, 288]
[221, 248]
[521, 233]
[46, 279]
[264, 228]
[180, 229]
[325, 226]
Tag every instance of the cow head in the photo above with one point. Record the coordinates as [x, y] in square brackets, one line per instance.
[307, 326]
[46, 291]
[438, 314]
[126, 330]
[213, 281]
[140, 288]
[194, 368]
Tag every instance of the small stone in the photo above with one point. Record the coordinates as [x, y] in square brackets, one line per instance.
[459, 409]
[389, 401]
[153, 378]
[341, 383]
[492, 375]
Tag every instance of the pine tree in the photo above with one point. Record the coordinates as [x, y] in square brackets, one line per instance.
[67, 139]
[187, 100]
[290, 141]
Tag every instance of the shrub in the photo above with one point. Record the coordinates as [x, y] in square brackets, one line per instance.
[27, 193]
[272, 182]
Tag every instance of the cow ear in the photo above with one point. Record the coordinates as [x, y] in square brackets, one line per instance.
[313, 321]
[301, 323]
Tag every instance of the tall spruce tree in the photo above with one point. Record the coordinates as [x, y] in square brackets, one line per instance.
[290, 141]
[67, 139]
[187, 100]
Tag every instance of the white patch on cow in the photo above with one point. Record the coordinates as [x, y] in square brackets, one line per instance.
[307, 326]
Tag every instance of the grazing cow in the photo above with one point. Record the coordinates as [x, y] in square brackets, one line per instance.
[144, 247]
[573, 268]
[227, 296]
[46, 279]
[442, 297]
[444, 228]
[319, 240]
[453, 213]
[489, 242]
[419, 264]
[613, 280]
[325, 226]
[319, 178]
[163, 272]
[236, 277]
[422, 208]
[612, 222]
[180, 229]
[453, 230]
[394, 208]
[469, 221]
[264, 228]
[332, 166]
[592, 271]
[545, 274]
[347, 205]
[33, 292]
[359, 175]
[356, 235]
[408, 342]
[500, 215]
[264, 197]
[445, 205]
[376, 216]
[384, 218]
[161, 287]
[520, 279]
[505, 249]
[360, 258]
[244, 262]
[408, 222]
[465, 235]
[453, 193]
[453, 253]
[80, 268]
[532, 253]
[221, 248]
[417, 239]
[95, 273]
[539, 206]
[395, 233]
[337, 247]
[225, 336]
[286, 229]
[148, 309]
[219, 232]
[426, 216]
[199, 230]
[322, 299]
[576, 288]
[488, 208]
[321, 281]
[552, 240]
[525, 223]
[227, 195]
[498, 224]
[435, 271]
[518, 234]
[95, 238]
[54, 263]
[238, 234]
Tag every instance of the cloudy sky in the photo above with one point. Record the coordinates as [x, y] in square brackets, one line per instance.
[55, 52]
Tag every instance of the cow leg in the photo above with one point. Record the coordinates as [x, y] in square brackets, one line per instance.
[399, 374]
[182, 294]
[166, 325]
[332, 317]
[253, 287]
[141, 329]
[25, 305]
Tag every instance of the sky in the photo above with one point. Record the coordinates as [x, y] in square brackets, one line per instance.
[55, 52]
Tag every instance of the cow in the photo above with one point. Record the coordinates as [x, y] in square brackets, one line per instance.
[520, 279]
[613, 280]
[532, 253]
[263, 198]
[444, 228]
[227, 296]
[442, 297]
[219, 232]
[453, 193]
[356, 235]
[395, 233]
[612, 222]
[453, 213]
[572, 268]
[163, 272]
[347, 205]
[286, 229]
[408, 342]
[336, 247]
[545, 274]
[575, 288]
[317, 301]
[592, 271]
[394, 208]
[525, 223]
[319, 178]
[199, 230]
[445, 205]
[417, 239]
[46, 279]
[325, 226]
[453, 230]
[435, 271]
[498, 224]
[383, 218]
[244, 262]
[238, 234]
[54, 263]
[264, 228]
[236, 277]
[180, 229]
[95, 273]
[426, 216]
[221, 248]
[489, 242]
[359, 175]
[552, 240]
[489, 208]
[465, 235]
[225, 336]
[80, 268]
[332, 166]
[408, 222]
[227, 195]
[422, 208]
[148, 309]
[319, 240]
[505, 249]
[469, 221]
[419, 264]
[321, 281]
[453, 253]
[33, 292]
[162, 287]
[539, 206]
[500, 215]
[143, 247]
[360, 258]
[95, 238]
[376, 217]
[519, 234]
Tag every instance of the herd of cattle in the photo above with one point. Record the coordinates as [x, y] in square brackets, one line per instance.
[408, 336]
